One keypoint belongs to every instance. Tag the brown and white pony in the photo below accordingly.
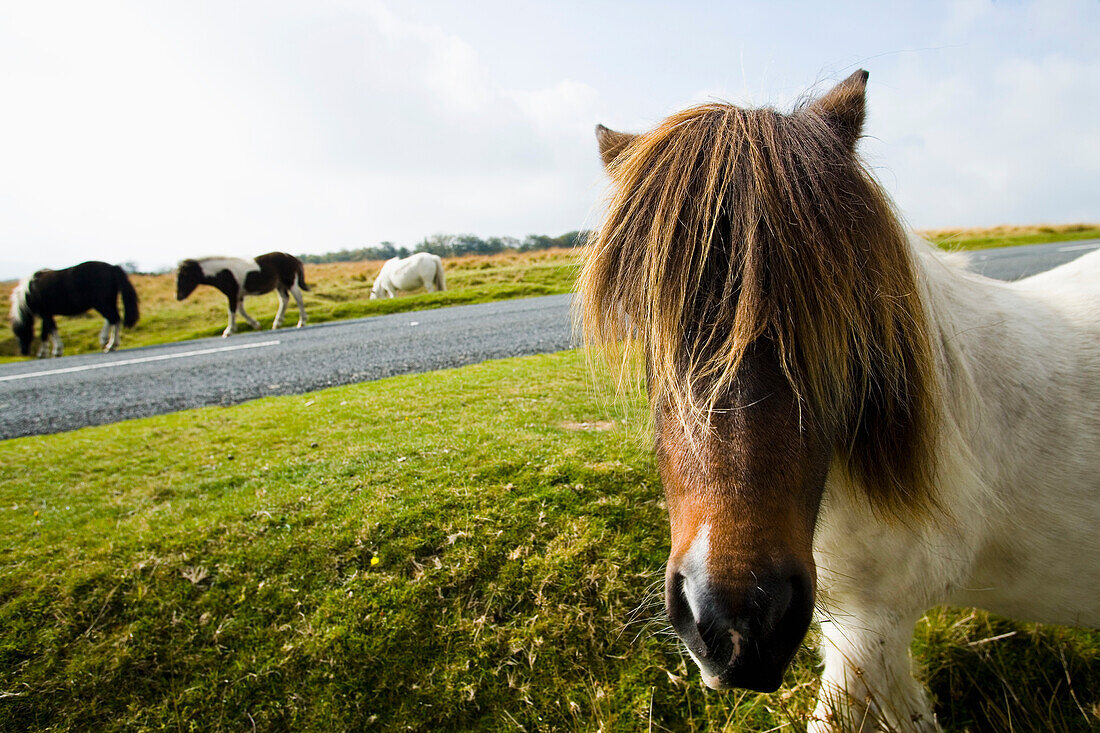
(237, 277)
(843, 417)
(70, 292)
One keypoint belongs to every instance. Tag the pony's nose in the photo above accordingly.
(741, 638)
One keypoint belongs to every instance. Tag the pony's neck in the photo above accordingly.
(981, 334)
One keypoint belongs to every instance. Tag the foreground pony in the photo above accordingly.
(420, 270)
(70, 292)
(236, 278)
(843, 417)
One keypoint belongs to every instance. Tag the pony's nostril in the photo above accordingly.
(776, 602)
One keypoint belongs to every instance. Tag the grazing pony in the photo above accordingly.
(843, 417)
(237, 278)
(70, 292)
(417, 270)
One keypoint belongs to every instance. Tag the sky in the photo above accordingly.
(148, 132)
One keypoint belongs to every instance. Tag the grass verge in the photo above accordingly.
(1010, 236)
(472, 549)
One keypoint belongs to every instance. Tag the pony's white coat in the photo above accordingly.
(696, 578)
(410, 273)
(19, 300)
(693, 566)
(239, 267)
(1018, 461)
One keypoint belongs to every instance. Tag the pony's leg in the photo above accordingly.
(868, 681)
(281, 313)
(44, 337)
(244, 314)
(50, 333)
(103, 332)
(232, 327)
(297, 293)
(113, 342)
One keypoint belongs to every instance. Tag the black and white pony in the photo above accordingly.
(237, 277)
(70, 292)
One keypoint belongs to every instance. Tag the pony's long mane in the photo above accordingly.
(728, 225)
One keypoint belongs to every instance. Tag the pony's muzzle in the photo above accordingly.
(741, 637)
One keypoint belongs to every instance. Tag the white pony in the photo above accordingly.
(845, 419)
(417, 270)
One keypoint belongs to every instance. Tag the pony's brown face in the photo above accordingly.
(760, 271)
(743, 497)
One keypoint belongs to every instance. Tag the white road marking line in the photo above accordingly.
(1074, 247)
(140, 360)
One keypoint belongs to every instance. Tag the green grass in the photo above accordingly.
(972, 239)
(473, 549)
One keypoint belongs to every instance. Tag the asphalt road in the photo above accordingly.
(1013, 263)
(53, 395)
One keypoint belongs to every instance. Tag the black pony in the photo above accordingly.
(70, 292)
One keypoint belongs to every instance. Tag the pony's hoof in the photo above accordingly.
(226, 333)
(301, 324)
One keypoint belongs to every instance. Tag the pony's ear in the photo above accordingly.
(612, 143)
(844, 108)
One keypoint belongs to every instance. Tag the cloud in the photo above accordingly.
(150, 132)
(1012, 143)
(150, 135)
(964, 14)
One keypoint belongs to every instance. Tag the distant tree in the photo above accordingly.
(536, 241)
(503, 243)
(437, 244)
(451, 245)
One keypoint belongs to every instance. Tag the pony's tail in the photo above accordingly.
(440, 281)
(129, 298)
(302, 276)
